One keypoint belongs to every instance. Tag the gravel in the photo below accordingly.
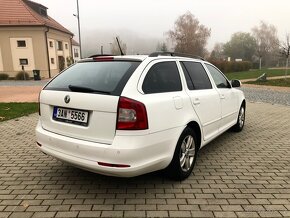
(268, 96)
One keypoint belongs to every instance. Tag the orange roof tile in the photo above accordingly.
(17, 13)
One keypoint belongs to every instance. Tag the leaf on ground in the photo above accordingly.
(6, 108)
(2, 118)
(25, 204)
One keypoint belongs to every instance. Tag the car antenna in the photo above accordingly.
(119, 45)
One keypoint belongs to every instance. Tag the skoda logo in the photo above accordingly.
(67, 99)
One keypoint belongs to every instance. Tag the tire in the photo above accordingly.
(238, 127)
(184, 156)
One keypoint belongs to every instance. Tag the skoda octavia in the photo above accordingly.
(130, 115)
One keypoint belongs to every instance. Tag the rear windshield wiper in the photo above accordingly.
(85, 89)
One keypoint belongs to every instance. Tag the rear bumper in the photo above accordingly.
(143, 154)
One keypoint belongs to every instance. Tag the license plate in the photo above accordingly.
(67, 115)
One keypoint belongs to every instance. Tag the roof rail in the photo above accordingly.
(174, 54)
(100, 55)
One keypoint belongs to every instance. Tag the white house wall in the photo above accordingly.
(22, 53)
(73, 51)
(52, 54)
(66, 51)
(1, 61)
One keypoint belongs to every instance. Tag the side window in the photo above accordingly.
(162, 77)
(218, 78)
(196, 76)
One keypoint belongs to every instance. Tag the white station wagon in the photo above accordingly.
(130, 115)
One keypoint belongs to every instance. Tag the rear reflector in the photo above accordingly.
(103, 58)
(113, 165)
(132, 115)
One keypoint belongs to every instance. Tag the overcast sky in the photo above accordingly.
(151, 19)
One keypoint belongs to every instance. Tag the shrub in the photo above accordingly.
(232, 66)
(20, 75)
(61, 63)
(69, 61)
(3, 76)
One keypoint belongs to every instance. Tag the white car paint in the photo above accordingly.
(144, 151)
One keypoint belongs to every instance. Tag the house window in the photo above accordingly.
(51, 44)
(52, 60)
(23, 61)
(76, 53)
(21, 43)
(66, 46)
(59, 45)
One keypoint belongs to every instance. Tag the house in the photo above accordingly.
(30, 39)
(76, 50)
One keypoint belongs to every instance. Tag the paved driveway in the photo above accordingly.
(244, 174)
(20, 91)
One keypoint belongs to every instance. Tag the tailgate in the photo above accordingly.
(100, 111)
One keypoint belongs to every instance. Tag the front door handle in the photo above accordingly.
(222, 96)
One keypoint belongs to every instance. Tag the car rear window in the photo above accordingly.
(107, 77)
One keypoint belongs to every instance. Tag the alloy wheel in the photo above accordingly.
(241, 117)
(187, 153)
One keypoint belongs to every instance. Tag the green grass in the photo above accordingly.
(273, 82)
(256, 73)
(13, 110)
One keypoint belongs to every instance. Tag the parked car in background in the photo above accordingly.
(130, 115)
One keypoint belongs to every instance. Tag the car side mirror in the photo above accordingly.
(236, 83)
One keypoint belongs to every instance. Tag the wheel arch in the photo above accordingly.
(195, 126)
(244, 103)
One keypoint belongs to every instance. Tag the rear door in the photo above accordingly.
(82, 101)
(163, 95)
(204, 98)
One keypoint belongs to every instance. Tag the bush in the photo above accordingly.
(20, 75)
(232, 66)
(3, 76)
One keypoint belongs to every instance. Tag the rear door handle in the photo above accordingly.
(196, 101)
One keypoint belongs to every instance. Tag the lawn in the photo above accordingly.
(273, 82)
(256, 73)
(13, 110)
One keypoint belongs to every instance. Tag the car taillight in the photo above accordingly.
(132, 115)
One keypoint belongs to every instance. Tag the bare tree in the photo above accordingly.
(189, 36)
(115, 50)
(266, 40)
(285, 51)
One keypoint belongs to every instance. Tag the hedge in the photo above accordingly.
(20, 76)
(3, 76)
(232, 66)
